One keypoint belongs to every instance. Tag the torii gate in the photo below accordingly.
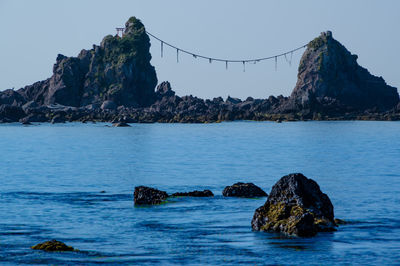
(120, 30)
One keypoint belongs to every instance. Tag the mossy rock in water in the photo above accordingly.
(296, 206)
(53, 245)
(148, 196)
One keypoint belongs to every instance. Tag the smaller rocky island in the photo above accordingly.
(296, 206)
(115, 82)
(243, 190)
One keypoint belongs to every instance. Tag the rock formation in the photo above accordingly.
(295, 206)
(148, 196)
(196, 193)
(115, 82)
(53, 245)
(243, 190)
(118, 71)
(331, 81)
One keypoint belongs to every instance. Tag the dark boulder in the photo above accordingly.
(330, 80)
(196, 193)
(243, 190)
(148, 196)
(53, 245)
(295, 206)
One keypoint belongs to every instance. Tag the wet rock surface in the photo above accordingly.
(149, 196)
(243, 190)
(296, 206)
(53, 245)
(196, 193)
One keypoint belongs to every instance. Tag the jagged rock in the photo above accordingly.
(243, 190)
(118, 70)
(330, 80)
(233, 100)
(196, 193)
(53, 245)
(295, 206)
(149, 196)
(164, 90)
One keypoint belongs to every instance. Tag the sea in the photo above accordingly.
(74, 182)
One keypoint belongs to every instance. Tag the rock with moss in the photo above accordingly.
(296, 206)
(148, 196)
(331, 81)
(243, 190)
(118, 70)
(53, 245)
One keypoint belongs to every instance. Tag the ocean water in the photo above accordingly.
(52, 177)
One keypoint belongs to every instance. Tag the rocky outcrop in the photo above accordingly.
(295, 206)
(117, 71)
(196, 193)
(243, 190)
(148, 196)
(114, 82)
(53, 245)
(331, 81)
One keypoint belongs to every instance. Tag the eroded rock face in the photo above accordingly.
(243, 190)
(330, 80)
(53, 245)
(118, 70)
(148, 196)
(196, 193)
(295, 206)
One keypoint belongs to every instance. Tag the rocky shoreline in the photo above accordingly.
(115, 82)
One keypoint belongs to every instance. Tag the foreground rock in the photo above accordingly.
(295, 206)
(243, 190)
(148, 196)
(196, 193)
(53, 245)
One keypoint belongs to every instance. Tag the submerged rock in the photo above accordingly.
(148, 196)
(196, 193)
(243, 190)
(295, 206)
(53, 245)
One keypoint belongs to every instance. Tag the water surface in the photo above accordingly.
(52, 177)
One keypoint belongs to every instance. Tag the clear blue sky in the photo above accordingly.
(34, 32)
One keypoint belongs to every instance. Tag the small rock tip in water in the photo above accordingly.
(121, 124)
(53, 245)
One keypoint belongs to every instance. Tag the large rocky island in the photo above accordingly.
(115, 82)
